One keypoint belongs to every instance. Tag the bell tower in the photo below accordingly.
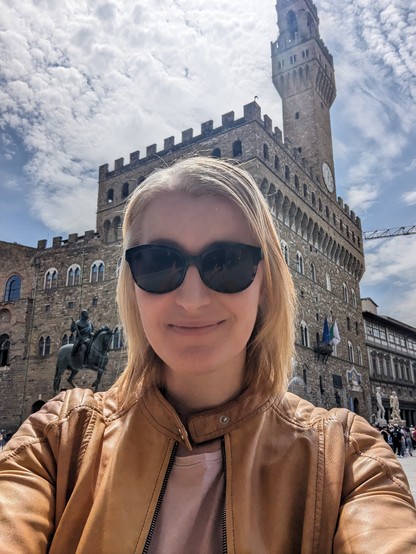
(303, 74)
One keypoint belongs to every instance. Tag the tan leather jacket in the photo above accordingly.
(82, 476)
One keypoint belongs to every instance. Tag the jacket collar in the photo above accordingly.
(207, 425)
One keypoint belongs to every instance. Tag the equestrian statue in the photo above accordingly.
(89, 351)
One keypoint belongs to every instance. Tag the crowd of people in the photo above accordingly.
(401, 439)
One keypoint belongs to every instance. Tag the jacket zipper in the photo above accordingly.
(162, 494)
(159, 501)
(224, 512)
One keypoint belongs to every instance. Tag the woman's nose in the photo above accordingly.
(193, 293)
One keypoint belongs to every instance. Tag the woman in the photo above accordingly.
(197, 448)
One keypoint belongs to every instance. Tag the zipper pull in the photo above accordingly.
(183, 433)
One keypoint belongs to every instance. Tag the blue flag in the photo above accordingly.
(326, 335)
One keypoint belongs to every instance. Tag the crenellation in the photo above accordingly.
(42, 244)
(89, 235)
(151, 150)
(268, 124)
(169, 143)
(56, 242)
(102, 172)
(252, 111)
(340, 202)
(73, 237)
(227, 119)
(118, 164)
(187, 136)
(207, 128)
(134, 157)
(278, 134)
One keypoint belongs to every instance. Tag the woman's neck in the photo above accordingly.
(196, 393)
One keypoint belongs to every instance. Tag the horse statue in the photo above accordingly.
(96, 359)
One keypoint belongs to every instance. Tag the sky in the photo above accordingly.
(85, 82)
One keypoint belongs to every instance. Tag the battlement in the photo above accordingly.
(251, 112)
(349, 213)
(73, 238)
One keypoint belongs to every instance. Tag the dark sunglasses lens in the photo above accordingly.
(157, 269)
(229, 269)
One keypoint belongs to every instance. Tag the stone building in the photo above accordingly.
(321, 238)
(391, 349)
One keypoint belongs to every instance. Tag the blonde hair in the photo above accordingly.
(270, 348)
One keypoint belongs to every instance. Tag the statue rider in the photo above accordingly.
(84, 330)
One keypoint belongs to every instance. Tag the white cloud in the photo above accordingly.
(409, 198)
(363, 197)
(389, 276)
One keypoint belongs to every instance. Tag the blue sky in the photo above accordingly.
(84, 83)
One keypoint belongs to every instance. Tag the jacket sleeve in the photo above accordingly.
(27, 485)
(377, 513)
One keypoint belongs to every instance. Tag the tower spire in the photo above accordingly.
(303, 74)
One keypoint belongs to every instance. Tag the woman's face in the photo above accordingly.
(194, 329)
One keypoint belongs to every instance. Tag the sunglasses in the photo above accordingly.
(226, 267)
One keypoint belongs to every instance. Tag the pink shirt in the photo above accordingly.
(190, 519)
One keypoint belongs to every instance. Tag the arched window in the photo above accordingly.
(117, 227)
(296, 182)
(73, 276)
(344, 293)
(71, 339)
(12, 291)
(64, 340)
(313, 272)
(292, 25)
(359, 356)
(125, 191)
(313, 198)
(305, 190)
(350, 352)
(97, 271)
(348, 324)
(44, 346)
(319, 204)
(353, 298)
(110, 196)
(4, 350)
(305, 374)
(117, 338)
(5, 316)
(237, 148)
(276, 162)
(328, 283)
(216, 153)
(304, 334)
(51, 278)
(299, 263)
(107, 226)
(285, 251)
(287, 173)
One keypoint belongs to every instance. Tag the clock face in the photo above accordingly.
(328, 177)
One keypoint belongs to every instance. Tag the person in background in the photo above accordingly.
(408, 441)
(198, 447)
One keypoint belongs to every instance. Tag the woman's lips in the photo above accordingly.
(195, 328)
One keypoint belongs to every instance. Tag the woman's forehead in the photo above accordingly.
(185, 219)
